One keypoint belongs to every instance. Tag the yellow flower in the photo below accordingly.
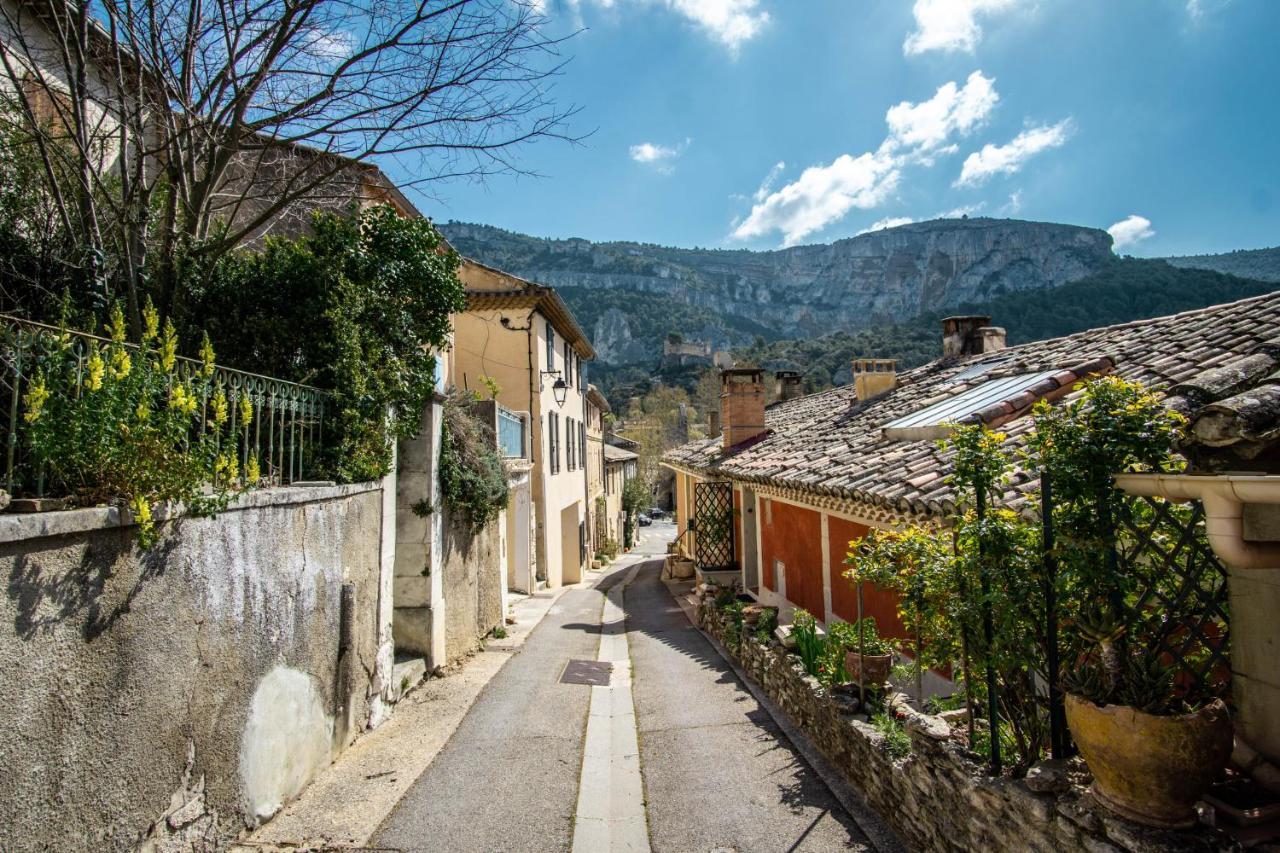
(94, 369)
(226, 468)
(118, 331)
(169, 347)
(143, 518)
(181, 399)
(246, 411)
(220, 407)
(121, 363)
(143, 412)
(150, 321)
(141, 510)
(206, 356)
(252, 471)
(36, 396)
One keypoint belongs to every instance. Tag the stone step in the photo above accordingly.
(406, 674)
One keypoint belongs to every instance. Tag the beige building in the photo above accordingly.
(597, 408)
(619, 466)
(523, 337)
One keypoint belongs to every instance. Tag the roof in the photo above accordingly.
(617, 454)
(830, 444)
(502, 290)
(595, 398)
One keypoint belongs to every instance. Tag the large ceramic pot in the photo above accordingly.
(1151, 769)
(870, 669)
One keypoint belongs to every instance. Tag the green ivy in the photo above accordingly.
(473, 477)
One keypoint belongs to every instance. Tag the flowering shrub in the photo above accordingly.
(116, 423)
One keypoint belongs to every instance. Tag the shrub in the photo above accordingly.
(473, 477)
(896, 739)
(358, 308)
(119, 424)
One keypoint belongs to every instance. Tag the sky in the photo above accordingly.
(767, 123)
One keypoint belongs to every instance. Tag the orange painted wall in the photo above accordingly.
(795, 538)
(880, 603)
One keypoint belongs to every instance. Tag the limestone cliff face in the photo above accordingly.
(885, 276)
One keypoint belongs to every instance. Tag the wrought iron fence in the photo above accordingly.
(286, 434)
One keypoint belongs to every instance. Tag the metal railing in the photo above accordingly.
(285, 435)
(511, 433)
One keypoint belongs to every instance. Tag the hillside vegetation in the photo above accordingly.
(1128, 289)
(1260, 264)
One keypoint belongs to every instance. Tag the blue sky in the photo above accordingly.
(762, 123)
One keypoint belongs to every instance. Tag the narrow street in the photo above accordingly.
(717, 773)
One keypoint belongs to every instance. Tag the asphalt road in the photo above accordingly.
(718, 775)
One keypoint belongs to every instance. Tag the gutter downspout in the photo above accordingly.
(1224, 497)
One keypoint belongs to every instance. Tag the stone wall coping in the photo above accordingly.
(19, 527)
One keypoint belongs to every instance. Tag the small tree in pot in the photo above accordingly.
(1153, 745)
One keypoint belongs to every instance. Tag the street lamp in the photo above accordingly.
(560, 389)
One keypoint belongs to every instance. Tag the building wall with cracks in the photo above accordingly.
(180, 694)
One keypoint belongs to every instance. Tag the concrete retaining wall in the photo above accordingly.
(939, 797)
(473, 584)
(198, 686)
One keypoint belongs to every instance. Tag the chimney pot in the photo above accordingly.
(960, 335)
(741, 404)
(788, 385)
(713, 423)
(874, 376)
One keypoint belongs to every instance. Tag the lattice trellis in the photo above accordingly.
(713, 526)
(1177, 591)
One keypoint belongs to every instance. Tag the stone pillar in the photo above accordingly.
(418, 588)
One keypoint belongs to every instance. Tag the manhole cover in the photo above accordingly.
(593, 672)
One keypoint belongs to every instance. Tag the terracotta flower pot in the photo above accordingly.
(1151, 769)
(873, 669)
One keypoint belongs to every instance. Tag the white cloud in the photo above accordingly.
(658, 156)
(959, 212)
(730, 22)
(823, 194)
(952, 110)
(1198, 10)
(950, 25)
(1130, 230)
(766, 186)
(1008, 159)
(1015, 202)
(887, 222)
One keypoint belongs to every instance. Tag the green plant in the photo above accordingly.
(896, 739)
(766, 623)
(809, 645)
(499, 632)
(358, 307)
(863, 635)
(473, 477)
(491, 385)
(120, 424)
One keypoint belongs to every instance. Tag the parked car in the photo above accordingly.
(645, 520)
(658, 514)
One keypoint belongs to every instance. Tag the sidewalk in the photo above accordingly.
(344, 806)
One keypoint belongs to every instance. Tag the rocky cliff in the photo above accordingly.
(885, 276)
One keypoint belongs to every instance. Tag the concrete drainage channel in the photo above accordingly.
(610, 812)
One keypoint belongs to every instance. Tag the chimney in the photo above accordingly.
(741, 404)
(960, 335)
(991, 339)
(713, 423)
(874, 376)
(788, 385)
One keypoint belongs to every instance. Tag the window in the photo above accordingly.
(568, 363)
(551, 346)
(553, 441)
(571, 461)
(934, 422)
(582, 443)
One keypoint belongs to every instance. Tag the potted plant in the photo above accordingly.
(868, 657)
(1153, 749)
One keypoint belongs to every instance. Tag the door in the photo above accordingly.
(713, 526)
(750, 553)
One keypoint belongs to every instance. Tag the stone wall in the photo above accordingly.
(197, 686)
(473, 584)
(939, 797)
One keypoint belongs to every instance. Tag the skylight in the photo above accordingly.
(935, 421)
